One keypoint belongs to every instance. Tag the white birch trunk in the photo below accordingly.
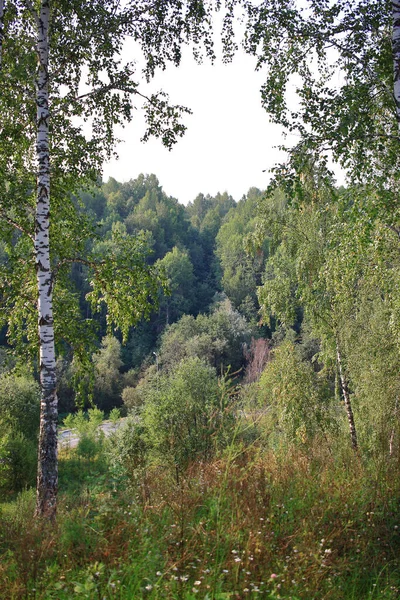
(396, 57)
(346, 397)
(1, 30)
(47, 482)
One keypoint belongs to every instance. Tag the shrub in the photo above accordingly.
(296, 400)
(18, 461)
(20, 403)
(185, 416)
(19, 425)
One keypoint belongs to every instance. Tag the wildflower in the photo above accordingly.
(149, 587)
(273, 576)
(237, 559)
(158, 573)
(197, 582)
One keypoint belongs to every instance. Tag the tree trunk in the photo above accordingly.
(1, 29)
(47, 481)
(396, 57)
(346, 397)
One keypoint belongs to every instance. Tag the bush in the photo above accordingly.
(88, 428)
(19, 425)
(20, 403)
(185, 417)
(18, 461)
(184, 413)
(296, 400)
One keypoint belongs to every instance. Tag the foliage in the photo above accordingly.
(178, 269)
(179, 413)
(19, 418)
(241, 271)
(338, 58)
(295, 399)
(20, 403)
(18, 460)
(373, 365)
(114, 416)
(184, 416)
(108, 380)
(88, 428)
(85, 424)
(229, 526)
(216, 338)
(48, 55)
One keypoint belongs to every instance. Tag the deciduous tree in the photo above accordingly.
(64, 87)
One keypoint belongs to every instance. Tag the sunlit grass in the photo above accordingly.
(251, 523)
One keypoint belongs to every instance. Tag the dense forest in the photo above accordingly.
(199, 400)
(274, 341)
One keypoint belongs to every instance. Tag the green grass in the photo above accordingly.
(251, 523)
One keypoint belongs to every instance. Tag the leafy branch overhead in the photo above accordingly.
(123, 280)
(329, 80)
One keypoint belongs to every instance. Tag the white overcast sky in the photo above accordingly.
(229, 140)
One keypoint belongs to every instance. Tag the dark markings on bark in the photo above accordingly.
(2, 4)
(346, 397)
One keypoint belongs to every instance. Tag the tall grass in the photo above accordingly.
(309, 523)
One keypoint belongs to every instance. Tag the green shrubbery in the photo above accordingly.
(19, 426)
(88, 430)
(296, 401)
(184, 417)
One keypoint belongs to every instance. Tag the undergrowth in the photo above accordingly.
(298, 524)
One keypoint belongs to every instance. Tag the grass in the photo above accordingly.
(296, 524)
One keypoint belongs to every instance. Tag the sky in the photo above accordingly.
(230, 143)
(229, 140)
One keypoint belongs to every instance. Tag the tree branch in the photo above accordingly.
(16, 225)
(33, 12)
(395, 229)
(77, 260)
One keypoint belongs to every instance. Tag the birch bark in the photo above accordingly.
(396, 57)
(1, 29)
(47, 482)
(346, 398)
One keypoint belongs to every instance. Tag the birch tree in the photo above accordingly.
(332, 79)
(396, 57)
(64, 88)
(341, 61)
(308, 276)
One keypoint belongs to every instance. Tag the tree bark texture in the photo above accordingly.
(47, 482)
(396, 57)
(2, 2)
(346, 397)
